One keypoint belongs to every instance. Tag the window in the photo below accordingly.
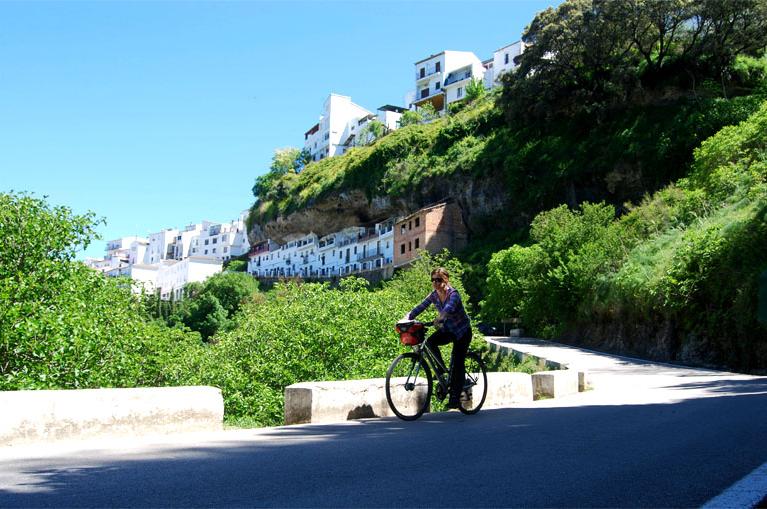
(206, 242)
(403, 230)
(194, 250)
(506, 58)
(402, 248)
(417, 221)
(206, 251)
(437, 67)
(416, 243)
(215, 240)
(355, 249)
(438, 85)
(425, 93)
(423, 72)
(214, 249)
(226, 250)
(460, 92)
(409, 246)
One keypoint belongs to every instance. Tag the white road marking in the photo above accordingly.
(745, 493)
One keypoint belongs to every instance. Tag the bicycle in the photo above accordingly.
(409, 378)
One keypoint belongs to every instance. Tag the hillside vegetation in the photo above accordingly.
(622, 227)
(677, 277)
(65, 326)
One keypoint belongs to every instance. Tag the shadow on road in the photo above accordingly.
(655, 455)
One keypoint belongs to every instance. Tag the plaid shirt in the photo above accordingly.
(456, 319)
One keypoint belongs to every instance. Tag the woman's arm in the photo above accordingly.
(419, 308)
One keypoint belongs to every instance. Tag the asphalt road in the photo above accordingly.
(687, 438)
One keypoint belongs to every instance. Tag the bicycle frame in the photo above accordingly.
(424, 352)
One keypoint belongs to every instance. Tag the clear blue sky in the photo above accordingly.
(160, 114)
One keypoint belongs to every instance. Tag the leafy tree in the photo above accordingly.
(475, 89)
(410, 117)
(284, 161)
(237, 266)
(428, 112)
(64, 325)
(589, 56)
(230, 289)
(206, 315)
(370, 133)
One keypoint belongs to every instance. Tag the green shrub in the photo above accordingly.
(64, 325)
(689, 257)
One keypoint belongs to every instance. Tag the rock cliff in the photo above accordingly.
(479, 199)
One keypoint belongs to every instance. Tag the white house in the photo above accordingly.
(324, 139)
(353, 249)
(389, 115)
(448, 68)
(221, 241)
(168, 259)
(119, 254)
(161, 246)
(455, 83)
(503, 60)
(171, 276)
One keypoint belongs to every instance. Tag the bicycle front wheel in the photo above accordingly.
(408, 386)
(475, 388)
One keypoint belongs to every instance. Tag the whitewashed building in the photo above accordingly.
(342, 125)
(451, 69)
(119, 254)
(441, 79)
(503, 60)
(324, 138)
(169, 277)
(168, 259)
(161, 246)
(221, 241)
(351, 250)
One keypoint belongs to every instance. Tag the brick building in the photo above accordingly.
(432, 228)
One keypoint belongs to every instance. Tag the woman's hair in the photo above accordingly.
(441, 272)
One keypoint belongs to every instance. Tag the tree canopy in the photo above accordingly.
(586, 56)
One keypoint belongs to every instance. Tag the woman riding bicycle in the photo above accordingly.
(453, 327)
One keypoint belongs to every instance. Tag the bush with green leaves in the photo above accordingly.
(207, 307)
(304, 332)
(64, 325)
(684, 265)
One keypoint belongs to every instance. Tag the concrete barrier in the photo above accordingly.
(34, 416)
(326, 402)
(504, 389)
(336, 401)
(555, 384)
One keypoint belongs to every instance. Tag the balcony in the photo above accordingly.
(437, 99)
(367, 234)
(373, 255)
(427, 75)
(459, 75)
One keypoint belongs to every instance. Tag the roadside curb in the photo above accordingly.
(338, 401)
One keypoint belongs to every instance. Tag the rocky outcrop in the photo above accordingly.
(479, 199)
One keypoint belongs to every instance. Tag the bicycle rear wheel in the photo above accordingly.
(475, 388)
(408, 386)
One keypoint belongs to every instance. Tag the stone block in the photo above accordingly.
(554, 384)
(36, 416)
(325, 402)
(584, 381)
(504, 389)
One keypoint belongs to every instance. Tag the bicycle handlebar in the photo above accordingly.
(425, 324)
